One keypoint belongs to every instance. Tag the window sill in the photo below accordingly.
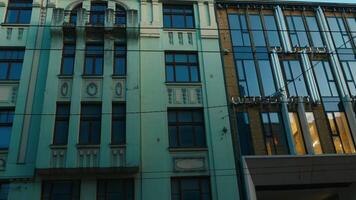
(65, 76)
(15, 25)
(119, 146)
(179, 29)
(119, 76)
(92, 76)
(58, 146)
(4, 150)
(188, 149)
(183, 83)
(88, 146)
(9, 81)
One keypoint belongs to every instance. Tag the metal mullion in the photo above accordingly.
(272, 133)
(307, 31)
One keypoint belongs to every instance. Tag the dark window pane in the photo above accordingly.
(178, 16)
(181, 67)
(58, 190)
(244, 131)
(190, 188)
(118, 124)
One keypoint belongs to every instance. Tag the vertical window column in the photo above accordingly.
(283, 28)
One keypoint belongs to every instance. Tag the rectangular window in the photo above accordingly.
(274, 134)
(253, 66)
(325, 79)
(182, 67)
(272, 31)
(339, 33)
(293, 75)
(297, 31)
(351, 21)
(340, 131)
(60, 190)
(94, 59)
(297, 134)
(4, 191)
(349, 69)
(6, 120)
(62, 124)
(19, 12)
(178, 16)
(187, 188)
(120, 60)
(244, 131)
(120, 15)
(68, 57)
(118, 129)
(186, 128)
(314, 134)
(11, 61)
(97, 13)
(90, 124)
(119, 189)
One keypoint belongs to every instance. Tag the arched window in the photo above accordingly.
(73, 14)
(120, 15)
(97, 12)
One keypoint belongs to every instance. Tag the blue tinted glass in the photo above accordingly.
(170, 73)
(185, 116)
(68, 64)
(182, 73)
(189, 22)
(267, 77)
(11, 16)
(194, 74)
(243, 127)
(173, 139)
(5, 134)
(61, 132)
(15, 71)
(120, 64)
(251, 78)
(88, 65)
(98, 66)
(25, 17)
(314, 32)
(178, 21)
(118, 132)
(167, 21)
(3, 71)
(186, 136)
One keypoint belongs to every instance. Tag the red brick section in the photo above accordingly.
(258, 140)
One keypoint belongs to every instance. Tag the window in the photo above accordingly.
(325, 79)
(293, 75)
(182, 67)
(351, 21)
(178, 16)
(340, 133)
(62, 124)
(97, 13)
(197, 188)
(120, 15)
(274, 135)
(339, 33)
(74, 13)
(94, 59)
(314, 134)
(254, 71)
(186, 128)
(4, 191)
(118, 130)
(68, 57)
(244, 131)
(60, 190)
(304, 31)
(6, 120)
(272, 31)
(119, 189)
(120, 60)
(297, 134)
(90, 124)
(349, 69)
(19, 12)
(11, 63)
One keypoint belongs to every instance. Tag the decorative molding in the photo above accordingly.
(88, 157)
(119, 89)
(189, 164)
(118, 158)
(92, 89)
(8, 94)
(185, 95)
(65, 89)
(58, 158)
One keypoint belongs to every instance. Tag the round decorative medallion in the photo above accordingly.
(92, 89)
(64, 89)
(118, 89)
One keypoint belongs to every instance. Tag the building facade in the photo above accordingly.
(113, 100)
(290, 79)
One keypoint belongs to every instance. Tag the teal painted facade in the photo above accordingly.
(146, 157)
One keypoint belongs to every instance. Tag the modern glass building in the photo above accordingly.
(290, 71)
(113, 100)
